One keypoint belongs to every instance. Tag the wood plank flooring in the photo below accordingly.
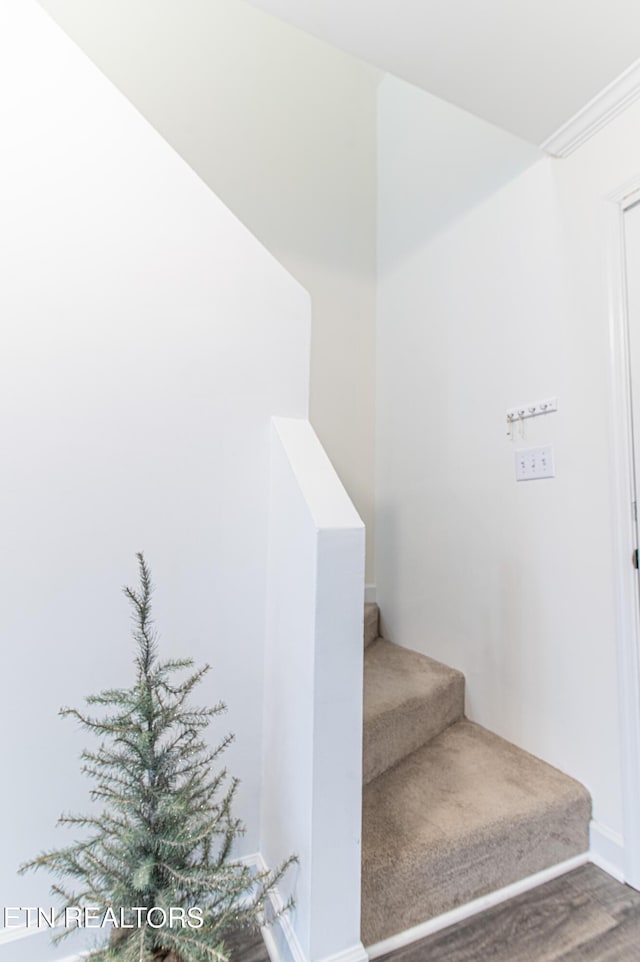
(244, 946)
(585, 916)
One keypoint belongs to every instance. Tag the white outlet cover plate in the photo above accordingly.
(533, 464)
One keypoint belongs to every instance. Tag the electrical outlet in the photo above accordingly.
(535, 463)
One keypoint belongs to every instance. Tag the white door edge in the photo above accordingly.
(627, 607)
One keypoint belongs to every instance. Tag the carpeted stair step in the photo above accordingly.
(408, 699)
(461, 817)
(371, 623)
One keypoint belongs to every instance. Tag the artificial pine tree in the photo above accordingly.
(163, 839)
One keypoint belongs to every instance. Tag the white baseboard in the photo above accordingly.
(13, 934)
(607, 850)
(474, 908)
(282, 944)
(357, 953)
(280, 937)
(278, 953)
(369, 594)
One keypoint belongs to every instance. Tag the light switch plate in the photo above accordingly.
(532, 464)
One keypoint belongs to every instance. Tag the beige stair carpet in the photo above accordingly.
(463, 816)
(408, 699)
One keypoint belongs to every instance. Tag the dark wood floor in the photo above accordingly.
(246, 946)
(585, 916)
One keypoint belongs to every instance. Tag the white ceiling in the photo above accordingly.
(526, 65)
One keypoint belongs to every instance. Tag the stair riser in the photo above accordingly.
(451, 811)
(371, 623)
(446, 880)
(392, 736)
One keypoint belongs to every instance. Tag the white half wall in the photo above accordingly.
(509, 582)
(146, 340)
(282, 127)
(312, 775)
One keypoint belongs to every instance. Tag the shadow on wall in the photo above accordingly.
(462, 158)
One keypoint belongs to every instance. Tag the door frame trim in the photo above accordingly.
(626, 593)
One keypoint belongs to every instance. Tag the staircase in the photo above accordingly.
(450, 811)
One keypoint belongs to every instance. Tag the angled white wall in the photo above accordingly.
(282, 127)
(511, 583)
(147, 338)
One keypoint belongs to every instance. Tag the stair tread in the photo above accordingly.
(465, 815)
(395, 675)
(408, 699)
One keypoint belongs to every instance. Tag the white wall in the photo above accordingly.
(435, 162)
(282, 128)
(146, 340)
(312, 781)
(511, 583)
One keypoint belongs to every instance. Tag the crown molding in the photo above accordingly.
(596, 114)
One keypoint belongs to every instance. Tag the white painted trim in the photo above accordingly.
(474, 908)
(596, 114)
(15, 933)
(369, 594)
(357, 953)
(286, 947)
(607, 850)
(627, 609)
(253, 860)
(270, 944)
